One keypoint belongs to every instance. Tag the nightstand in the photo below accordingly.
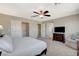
(0, 53)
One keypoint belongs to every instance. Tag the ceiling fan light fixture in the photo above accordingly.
(41, 16)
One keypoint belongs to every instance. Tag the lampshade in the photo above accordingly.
(1, 27)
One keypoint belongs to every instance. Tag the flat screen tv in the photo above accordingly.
(59, 29)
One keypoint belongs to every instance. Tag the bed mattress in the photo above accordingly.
(26, 46)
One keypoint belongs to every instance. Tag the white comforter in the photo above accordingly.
(26, 47)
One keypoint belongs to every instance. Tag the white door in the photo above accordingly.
(16, 28)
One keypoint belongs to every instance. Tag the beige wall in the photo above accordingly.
(71, 24)
(5, 21)
(47, 29)
(12, 26)
(17, 28)
(9, 22)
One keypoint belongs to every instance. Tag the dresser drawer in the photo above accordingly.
(58, 37)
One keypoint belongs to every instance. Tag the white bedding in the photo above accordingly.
(26, 47)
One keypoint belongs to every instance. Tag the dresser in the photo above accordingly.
(59, 37)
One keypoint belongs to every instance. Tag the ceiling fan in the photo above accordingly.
(41, 14)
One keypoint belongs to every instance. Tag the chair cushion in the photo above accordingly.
(71, 43)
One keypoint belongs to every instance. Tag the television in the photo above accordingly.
(59, 29)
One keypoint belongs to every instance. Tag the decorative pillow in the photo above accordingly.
(6, 44)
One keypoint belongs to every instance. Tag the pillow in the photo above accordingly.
(6, 44)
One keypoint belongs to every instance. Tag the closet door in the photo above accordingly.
(25, 29)
(39, 30)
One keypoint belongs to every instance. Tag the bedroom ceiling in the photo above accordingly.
(25, 10)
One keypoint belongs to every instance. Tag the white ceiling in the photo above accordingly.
(25, 10)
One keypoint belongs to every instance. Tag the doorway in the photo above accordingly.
(25, 29)
(39, 30)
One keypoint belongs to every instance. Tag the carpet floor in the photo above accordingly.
(55, 48)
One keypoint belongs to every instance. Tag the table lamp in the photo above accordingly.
(1, 29)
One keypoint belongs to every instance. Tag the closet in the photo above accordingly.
(25, 29)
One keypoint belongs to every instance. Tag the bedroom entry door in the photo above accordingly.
(25, 29)
(39, 30)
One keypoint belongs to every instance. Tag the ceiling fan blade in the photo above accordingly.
(46, 12)
(34, 16)
(47, 15)
(35, 12)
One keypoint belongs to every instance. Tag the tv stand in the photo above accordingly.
(59, 37)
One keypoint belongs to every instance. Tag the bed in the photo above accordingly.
(26, 46)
